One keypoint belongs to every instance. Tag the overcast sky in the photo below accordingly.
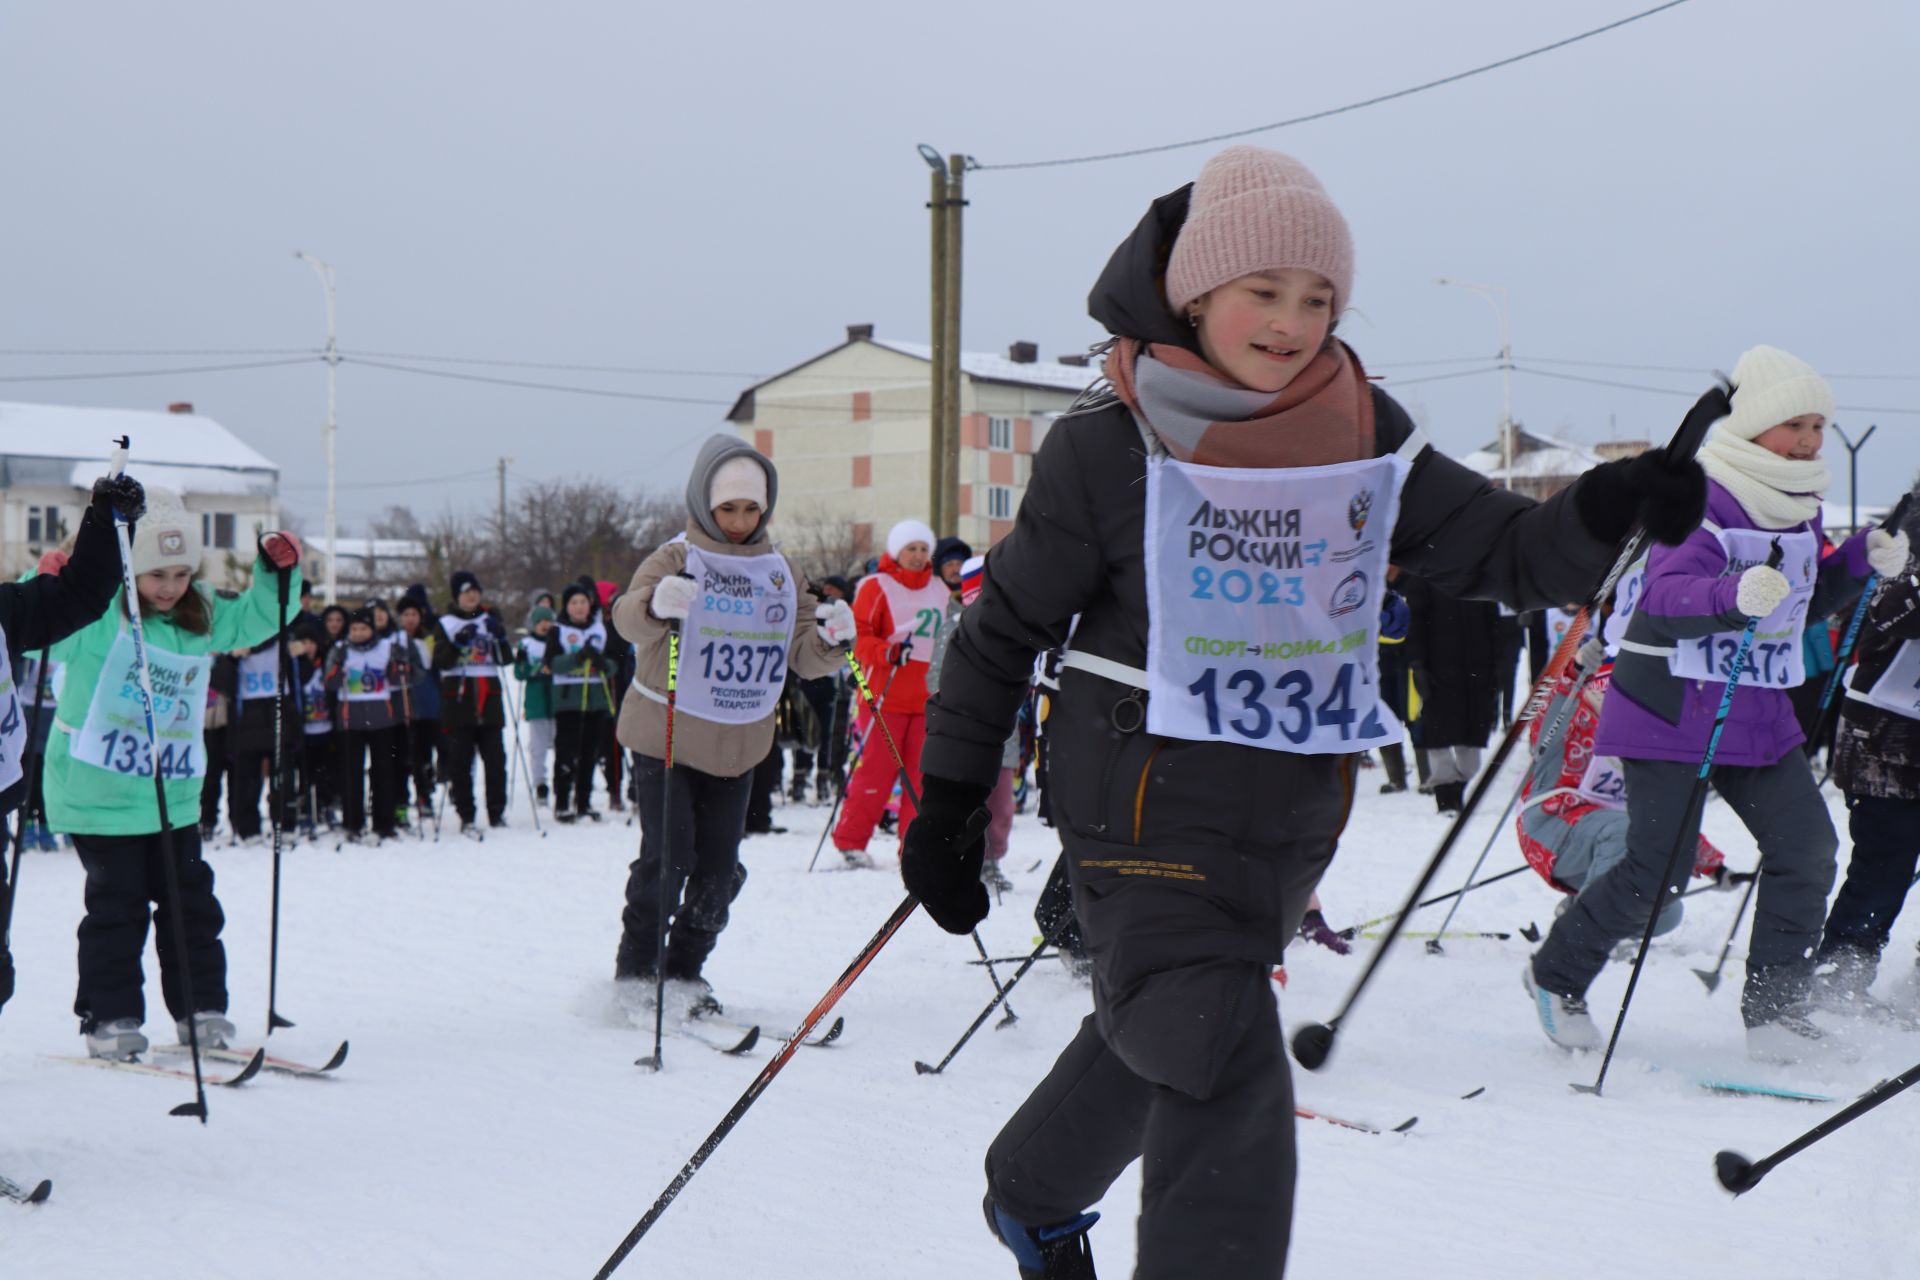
(719, 189)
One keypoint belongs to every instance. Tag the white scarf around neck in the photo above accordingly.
(1777, 492)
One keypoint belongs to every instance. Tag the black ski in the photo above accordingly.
(730, 1038)
(12, 1190)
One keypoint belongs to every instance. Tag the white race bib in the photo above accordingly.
(258, 674)
(13, 723)
(1626, 598)
(316, 708)
(364, 672)
(572, 640)
(1603, 783)
(1263, 603)
(919, 613)
(1898, 688)
(733, 651)
(114, 736)
(1777, 659)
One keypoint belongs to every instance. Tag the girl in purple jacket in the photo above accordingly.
(1766, 481)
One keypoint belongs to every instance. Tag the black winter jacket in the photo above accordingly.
(1455, 644)
(1877, 752)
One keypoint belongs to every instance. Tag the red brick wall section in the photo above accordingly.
(862, 405)
(863, 538)
(863, 470)
(966, 499)
(1023, 435)
(973, 431)
(1000, 468)
(763, 443)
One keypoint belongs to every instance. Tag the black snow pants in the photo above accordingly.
(127, 886)
(1192, 864)
(709, 816)
(458, 746)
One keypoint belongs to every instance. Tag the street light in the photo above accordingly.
(1486, 294)
(332, 357)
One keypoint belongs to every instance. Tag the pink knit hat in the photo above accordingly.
(1254, 210)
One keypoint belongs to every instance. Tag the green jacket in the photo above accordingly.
(534, 676)
(85, 800)
(591, 696)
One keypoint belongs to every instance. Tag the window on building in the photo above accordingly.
(45, 528)
(1000, 434)
(999, 502)
(216, 531)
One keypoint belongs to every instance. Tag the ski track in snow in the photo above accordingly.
(490, 1121)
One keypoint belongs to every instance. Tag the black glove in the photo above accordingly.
(591, 649)
(1667, 498)
(122, 494)
(900, 654)
(941, 855)
(464, 637)
(494, 627)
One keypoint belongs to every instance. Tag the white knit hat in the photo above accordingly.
(1769, 387)
(739, 477)
(167, 535)
(906, 533)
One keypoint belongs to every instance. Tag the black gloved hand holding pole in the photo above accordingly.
(944, 847)
(1666, 498)
(122, 494)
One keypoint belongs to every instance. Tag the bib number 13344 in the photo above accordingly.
(1254, 710)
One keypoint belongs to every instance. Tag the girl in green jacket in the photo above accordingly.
(100, 767)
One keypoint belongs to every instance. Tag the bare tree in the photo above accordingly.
(818, 541)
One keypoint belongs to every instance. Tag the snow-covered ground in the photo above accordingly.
(491, 1121)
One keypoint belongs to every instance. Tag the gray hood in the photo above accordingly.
(716, 450)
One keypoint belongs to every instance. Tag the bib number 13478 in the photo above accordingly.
(1295, 711)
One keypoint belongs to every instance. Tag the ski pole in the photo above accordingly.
(1712, 978)
(1313, 1042)
(853, 763)
(994, 978)
(1000, 995)
(1688, 832)
(1739, 1174)
(658, 1060)
(526, 770)
(1354, 930)
(1433, 944)
(36, 775)
(144, 683)
(276, 799)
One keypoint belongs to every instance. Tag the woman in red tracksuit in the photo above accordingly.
(900, 609)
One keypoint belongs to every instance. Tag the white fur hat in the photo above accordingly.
(1769, 387)
(905, 534)
(167, 535)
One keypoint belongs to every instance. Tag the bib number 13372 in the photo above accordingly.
(1254, 709)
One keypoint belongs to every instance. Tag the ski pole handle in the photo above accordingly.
(117, 460)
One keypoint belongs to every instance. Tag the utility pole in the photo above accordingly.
(1486, 294)
(503, 498)
(956, 203)
(936, 380)
(1853, 473)
(332, 357)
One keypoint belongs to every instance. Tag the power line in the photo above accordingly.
(1441, 377)
(159, 351)
(1703, 369)
(1675, 391)
(558, 368)
(531, 386)
(1335, 111)
(152, 373)
(486, 473)
(1424, 364)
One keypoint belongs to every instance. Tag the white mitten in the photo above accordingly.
(672, 598)
(1762, 588)
(1887, 552)
(834, 621)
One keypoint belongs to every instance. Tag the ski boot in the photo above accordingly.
(994, 878)
(119, 1040)
(1058, 1252)
(1563, 1018)
(797, 792)
(215, 1031)
(540, 793)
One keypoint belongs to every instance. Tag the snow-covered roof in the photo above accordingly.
(378, 548)
(1535, 457)
(194, 480)
(178, 439)
(989, 368)
(1835, 514)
